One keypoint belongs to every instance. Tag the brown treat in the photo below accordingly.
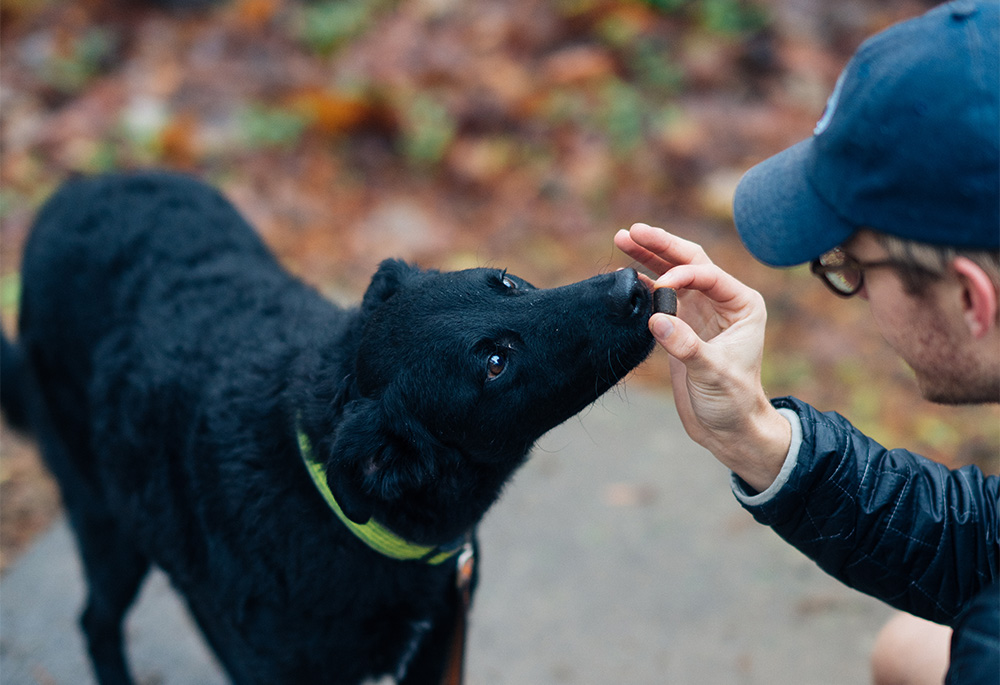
(665, 301)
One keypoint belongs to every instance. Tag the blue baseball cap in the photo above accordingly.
(908, 146)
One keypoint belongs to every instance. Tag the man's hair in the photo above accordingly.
(927, 263)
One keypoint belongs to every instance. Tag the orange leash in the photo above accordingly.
(454, 673)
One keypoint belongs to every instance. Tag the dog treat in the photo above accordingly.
(665, 301)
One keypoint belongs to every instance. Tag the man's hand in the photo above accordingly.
(715, 344)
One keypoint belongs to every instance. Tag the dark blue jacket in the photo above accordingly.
(897, 526)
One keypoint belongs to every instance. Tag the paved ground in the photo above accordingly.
(617, 556)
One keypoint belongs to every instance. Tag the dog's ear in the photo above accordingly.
(391, 275)
(351, 453)
(375, 461)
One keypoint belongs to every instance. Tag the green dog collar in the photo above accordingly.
(373, 533)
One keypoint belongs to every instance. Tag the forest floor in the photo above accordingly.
(513, 133)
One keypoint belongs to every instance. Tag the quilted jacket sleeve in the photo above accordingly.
(889, 523)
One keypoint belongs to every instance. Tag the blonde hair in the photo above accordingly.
(924, 263)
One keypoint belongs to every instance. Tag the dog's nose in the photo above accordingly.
(628, 297)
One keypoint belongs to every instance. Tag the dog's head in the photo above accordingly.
(461, 372)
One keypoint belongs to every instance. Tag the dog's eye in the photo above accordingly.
(495, 365)
(508, 283)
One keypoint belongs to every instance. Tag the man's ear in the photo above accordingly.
(979, 297)
(391, 275)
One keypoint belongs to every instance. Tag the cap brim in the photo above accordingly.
(781, 220)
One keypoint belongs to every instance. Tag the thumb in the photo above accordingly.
(676, 337)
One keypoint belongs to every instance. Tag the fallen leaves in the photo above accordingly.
(513, 133)
(332, 113)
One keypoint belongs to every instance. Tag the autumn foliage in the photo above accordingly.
(514, 133)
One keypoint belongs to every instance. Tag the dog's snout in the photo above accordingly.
(628, 297)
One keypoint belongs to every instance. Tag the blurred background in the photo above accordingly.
(456, 133)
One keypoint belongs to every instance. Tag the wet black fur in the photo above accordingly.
(163, 360)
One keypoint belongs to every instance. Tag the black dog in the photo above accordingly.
(305, 475)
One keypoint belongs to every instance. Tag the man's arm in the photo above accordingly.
(890, 523)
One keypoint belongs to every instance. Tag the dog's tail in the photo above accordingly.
(14, 383)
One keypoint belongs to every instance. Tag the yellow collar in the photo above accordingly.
(373, 533)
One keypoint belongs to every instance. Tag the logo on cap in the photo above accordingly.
(831, 105)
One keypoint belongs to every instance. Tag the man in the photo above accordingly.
(895, 199)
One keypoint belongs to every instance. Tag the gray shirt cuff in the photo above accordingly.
(752, 499)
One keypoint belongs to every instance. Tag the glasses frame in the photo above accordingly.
(848, 263)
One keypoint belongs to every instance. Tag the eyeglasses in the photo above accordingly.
(845, 275)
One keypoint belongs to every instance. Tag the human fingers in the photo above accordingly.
(650, 247)
(668, 247)
(678, 339)
(716, 284)
(646, 281)
(624, 242)
(662, 327)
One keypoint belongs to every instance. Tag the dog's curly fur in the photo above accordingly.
(164, 361)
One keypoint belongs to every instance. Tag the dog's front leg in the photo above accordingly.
(114, 571)
(425, 664)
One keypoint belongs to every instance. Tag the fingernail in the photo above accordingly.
(661, 326)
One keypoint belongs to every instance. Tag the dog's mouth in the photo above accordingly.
(620, 340)
(609, 364)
